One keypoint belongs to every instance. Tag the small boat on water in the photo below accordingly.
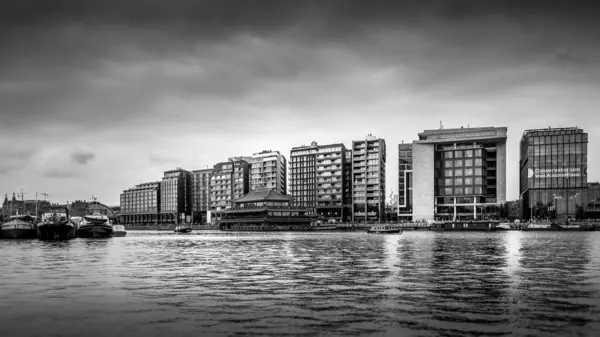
(183, 228)
(20, 227)
(56, 224)
(573, 226)
(539, 227)
(119, 231)
(384, 229)
(95, 225)
(503, 226)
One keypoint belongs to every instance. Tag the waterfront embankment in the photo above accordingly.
(167, 227)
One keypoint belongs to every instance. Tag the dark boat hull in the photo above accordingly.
(19, 233)
(95, 231)
(389, 231)
(64, 231)
(183, 230)
(119, 234)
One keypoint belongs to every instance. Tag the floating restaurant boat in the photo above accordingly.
(119, 231)
(183, 228)
(265, 210)
(96, 222)
(384, 229)
(469, 225)
(20, 227)
(56, 224)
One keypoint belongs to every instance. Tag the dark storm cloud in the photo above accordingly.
(82, 156)
(105, 63)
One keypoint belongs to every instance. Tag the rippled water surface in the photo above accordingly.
(226, 284)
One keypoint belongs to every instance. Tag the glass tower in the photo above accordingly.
(553, 173)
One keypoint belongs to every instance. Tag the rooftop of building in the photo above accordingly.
(462, 134)
(263, 194)
(315, 145)
(550, 131)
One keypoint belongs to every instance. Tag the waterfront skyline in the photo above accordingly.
(99, 97)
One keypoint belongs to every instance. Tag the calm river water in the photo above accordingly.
(226, 284)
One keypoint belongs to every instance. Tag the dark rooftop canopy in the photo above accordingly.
(264, 195)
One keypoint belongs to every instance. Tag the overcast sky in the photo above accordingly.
(97, 96)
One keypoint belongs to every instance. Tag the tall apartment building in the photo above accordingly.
(140, 204)
(303, 176)
(176, 196)
(459, 174)
(405, 188)
(553, 173)
(347, 185)
(269, 170)
(368, 179)
(229, 181)
(201, 194)
(317, 182)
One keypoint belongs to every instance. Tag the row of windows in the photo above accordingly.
(463, 163)
(461, 181)
(466, 172)
(463, 153)
(573, 138)
(461, 190)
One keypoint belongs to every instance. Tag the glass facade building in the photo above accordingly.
(553, 173)
(405, 190)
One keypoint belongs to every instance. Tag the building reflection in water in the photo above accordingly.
(556, 293)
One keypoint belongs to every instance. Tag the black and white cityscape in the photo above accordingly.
(299, 168)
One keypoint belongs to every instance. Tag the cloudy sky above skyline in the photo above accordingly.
(97, 96)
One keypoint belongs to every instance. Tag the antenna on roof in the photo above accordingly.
(441, 126)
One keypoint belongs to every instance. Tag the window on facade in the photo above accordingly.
(458, 181)
(448, 173)
(448, 163)
(448, 182)
(478, 162)
(458, 154)
(478, 171)
(448, 155)
(478, 153)
(458, 190)
(448, 191)
(468, 181)
(468, 190)
(468, 162)
(458, 163)
(468, 153)
(458, 173)
(469, 172)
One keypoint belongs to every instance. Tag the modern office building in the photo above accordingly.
(269, 170)
(201, 194)
(405, 188)
(317, 181)
(459, 174)
(176, 196)
(303, 176)
(553, 173)
(140, 205)
(229, 181)
(368, 179)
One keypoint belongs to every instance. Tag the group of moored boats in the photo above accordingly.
(56, 224)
